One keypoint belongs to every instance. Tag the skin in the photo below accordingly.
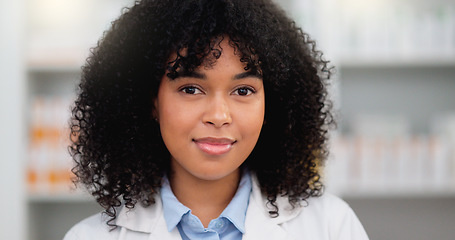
(210, 122)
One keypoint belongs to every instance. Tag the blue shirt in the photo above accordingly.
(230, 225)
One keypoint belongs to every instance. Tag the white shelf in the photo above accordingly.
(50, 68)
(398, 62)
(60, 59)
(397, 194)
(60, 197)
(381, 193)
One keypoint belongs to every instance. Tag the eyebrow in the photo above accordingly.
(192, 74)
(202, 76)
(248, 74)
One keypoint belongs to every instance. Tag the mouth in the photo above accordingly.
(214, 146)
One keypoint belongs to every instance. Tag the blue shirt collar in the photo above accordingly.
(172, 208)
(235, 212)
(236, 209)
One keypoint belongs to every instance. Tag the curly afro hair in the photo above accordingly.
(116, 144)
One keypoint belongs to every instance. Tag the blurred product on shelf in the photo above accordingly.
(59, 33)
(377, 159)
(49, 164)
(383, 30)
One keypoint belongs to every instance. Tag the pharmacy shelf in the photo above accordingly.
(398, 62)
(343, 62)
(49, 68)
(60, 197)
(54, 72)
(394, 193)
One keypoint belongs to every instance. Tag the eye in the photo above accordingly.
(244, 91)
(191, 90)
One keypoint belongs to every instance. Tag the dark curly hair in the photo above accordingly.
(117, 146)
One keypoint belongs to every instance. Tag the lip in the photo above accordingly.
(214, 146)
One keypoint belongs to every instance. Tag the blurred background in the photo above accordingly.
(393, 154)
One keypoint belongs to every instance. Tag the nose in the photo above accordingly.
(217, 112)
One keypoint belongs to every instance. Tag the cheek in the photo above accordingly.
(173, 128)
(168, 118)
(252, 119)
(176, 119)
(177, 112)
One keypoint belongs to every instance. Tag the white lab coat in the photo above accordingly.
(323, 218)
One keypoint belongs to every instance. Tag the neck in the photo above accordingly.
(206, 198)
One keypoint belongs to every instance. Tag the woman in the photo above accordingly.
(206, 119)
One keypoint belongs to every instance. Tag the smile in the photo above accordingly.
(214, 146)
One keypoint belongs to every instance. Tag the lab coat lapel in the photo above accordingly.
(259, 224)
(160, 231)
(147, 220)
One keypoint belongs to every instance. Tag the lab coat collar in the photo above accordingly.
(140, 218)
(146, 220)
(258, 223)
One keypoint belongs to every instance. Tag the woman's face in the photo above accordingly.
(210, 120)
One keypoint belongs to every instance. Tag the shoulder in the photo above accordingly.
(94, 227)
(325, 218)
(324, 206)
(328, 217)
(325, 209)
(327, 204)
(135, 223)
